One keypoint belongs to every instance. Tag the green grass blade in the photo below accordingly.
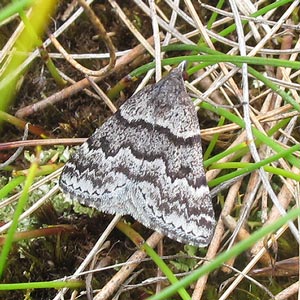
(14, 8)
(72, 284)
(4, 191)
(166, 270)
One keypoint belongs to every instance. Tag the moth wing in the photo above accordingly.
(146, 161)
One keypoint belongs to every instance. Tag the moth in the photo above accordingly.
(146, 161)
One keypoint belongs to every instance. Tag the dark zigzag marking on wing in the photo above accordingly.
(176, 140)
(150, 155)
(183, 172)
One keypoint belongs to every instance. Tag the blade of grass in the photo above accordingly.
(14, 8)
(213, 58)
(246, 165)
(214, 15)
(165, 269)
(223, 154)
(213, 141)
(72, 284)
(4, 191)
(39, 17)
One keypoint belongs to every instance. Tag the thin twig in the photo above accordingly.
(18, 151)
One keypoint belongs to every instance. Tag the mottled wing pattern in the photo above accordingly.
(146, 161)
